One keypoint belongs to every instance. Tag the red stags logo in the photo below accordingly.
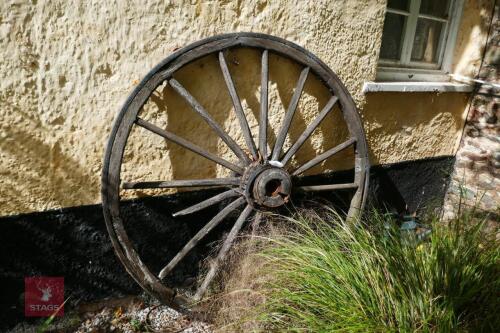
(43, 296)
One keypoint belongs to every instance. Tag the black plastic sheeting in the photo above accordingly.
(73, 242)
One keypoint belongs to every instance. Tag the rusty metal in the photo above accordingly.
(272, 188)
(261, 182)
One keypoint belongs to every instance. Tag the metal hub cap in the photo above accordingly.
(272, 187)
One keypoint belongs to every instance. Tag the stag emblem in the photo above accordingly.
(46, 292)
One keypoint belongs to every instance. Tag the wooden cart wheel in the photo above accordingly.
(261, 177)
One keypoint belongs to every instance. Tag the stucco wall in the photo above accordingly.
(67, 68)
(408, 126)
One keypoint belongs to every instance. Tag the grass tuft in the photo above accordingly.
(325, 275)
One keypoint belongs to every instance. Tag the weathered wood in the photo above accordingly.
(238, 109)
(214, 266)
(232, 181)
(188, 145)
(328, 187)
(308, 131)
(207, 203)
(280, 139)
(256, 222)
(264, 103)
(320, 158)
(164, 71)
(110, 190)
(209, 120)
(200, 235)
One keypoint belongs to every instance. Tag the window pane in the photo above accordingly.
(392, 36)
(434, 7)
(426, 43)
(398, 4)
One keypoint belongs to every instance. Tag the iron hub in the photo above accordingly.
(266, 186)
(272, 188)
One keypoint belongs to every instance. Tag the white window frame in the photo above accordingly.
(406, 70)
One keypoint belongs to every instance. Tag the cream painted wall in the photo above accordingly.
(67, 68)
(408, 126)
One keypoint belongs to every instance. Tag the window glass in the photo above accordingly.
(434, 7)
(392, 36)
(398, 4)
(426, 43)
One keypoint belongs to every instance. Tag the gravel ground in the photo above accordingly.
(127, 315)
(151, 318)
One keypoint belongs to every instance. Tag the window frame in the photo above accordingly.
(407, 70)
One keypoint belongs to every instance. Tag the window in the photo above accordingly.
(418, 39)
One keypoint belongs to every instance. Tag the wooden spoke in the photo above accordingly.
(308, 131)
(223, 252)
(207, 203)
(257, 220)
(200, 235)
(237, 106)
(264, 104)
(329, 187)
(232, 181)
(320, 158)
(209, 120)
(188, 145)
(280, 140)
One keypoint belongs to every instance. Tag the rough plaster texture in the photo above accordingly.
(408, 126)
(67, 68)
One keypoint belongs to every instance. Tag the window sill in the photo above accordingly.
(435, 87)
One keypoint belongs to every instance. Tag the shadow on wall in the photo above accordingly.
(474, 26)
(399, 127)
(60, 180)
(204, 80)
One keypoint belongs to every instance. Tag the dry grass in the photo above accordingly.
(305, 274)
(240, 287)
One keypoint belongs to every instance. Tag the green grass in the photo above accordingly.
(325, 275)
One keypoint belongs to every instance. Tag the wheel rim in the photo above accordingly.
(262, 180)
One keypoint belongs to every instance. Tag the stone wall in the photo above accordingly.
(476, 177)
